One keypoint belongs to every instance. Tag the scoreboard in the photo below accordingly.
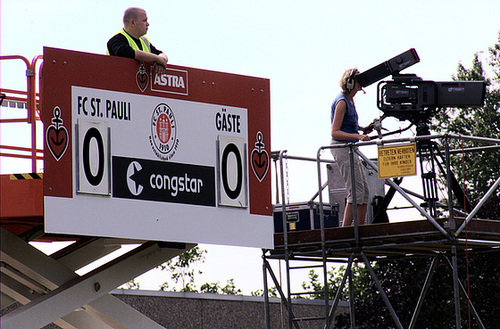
(181, 155)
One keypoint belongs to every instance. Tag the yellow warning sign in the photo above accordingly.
(397, 161)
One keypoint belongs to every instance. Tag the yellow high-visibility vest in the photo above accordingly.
(146, 45)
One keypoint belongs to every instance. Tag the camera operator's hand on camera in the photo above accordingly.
(364, 138)
(368, 129)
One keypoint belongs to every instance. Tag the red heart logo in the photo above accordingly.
(260, 163)
(142, 78)
(57, 141)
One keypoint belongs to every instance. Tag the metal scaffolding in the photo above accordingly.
(440, 238)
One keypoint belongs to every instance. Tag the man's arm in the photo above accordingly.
(143, 56)
(118, 46)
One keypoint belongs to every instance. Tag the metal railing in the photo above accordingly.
(30, 100)
(355, 148)
(450, 232)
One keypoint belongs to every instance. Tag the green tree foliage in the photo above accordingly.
(181, 271)
(215, 288)
(132, 284)
(477, 170)
(272, 292)
(403, 280)
(361, 283)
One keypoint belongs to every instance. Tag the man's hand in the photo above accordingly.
(161, 63)
(160, 60)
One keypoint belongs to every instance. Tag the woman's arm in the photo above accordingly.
(338, 118)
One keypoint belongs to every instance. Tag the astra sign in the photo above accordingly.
(179, 156)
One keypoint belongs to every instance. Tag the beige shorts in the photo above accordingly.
(341, 156)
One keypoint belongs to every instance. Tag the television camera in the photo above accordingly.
(408, 97)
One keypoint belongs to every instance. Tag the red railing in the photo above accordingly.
(31, 98)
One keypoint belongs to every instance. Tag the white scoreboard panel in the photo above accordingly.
(179, 156)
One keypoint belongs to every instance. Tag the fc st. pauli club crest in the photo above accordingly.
(163, 138)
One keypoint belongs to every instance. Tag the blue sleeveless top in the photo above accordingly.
(350, 122)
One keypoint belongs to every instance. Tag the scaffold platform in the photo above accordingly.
(455, 230)
(417, 238)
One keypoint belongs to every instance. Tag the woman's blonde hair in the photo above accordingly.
(347, 80)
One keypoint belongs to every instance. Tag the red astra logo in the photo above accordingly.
(171, 81)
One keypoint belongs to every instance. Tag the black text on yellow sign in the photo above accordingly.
(397, 161)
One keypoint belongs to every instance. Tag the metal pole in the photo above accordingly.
(423, 293)
(266, 292)
(475, 138)
(352, 316)
(285, 240)
(338, 295)
(277, 183)
(318, 193)
(31, 102)
(353, 193)
(410, 200)
(453, 226)
(478, 206)
(476, 315)
(456, 292)
(382, 292)
(280, 291)
(294, 157)
(323, 245)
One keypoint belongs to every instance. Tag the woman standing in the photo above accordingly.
(345, 129)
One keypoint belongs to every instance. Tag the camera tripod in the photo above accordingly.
(430, 153)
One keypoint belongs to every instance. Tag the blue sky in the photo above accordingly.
(301, 46)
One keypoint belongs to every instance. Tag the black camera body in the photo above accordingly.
(390, 67)
(408, 97)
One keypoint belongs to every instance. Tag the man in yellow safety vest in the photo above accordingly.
(131, 42)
